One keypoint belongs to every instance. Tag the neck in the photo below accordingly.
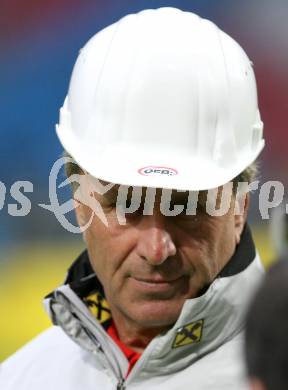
(133, 335)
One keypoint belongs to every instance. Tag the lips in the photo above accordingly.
(156, 280)
(156, 287)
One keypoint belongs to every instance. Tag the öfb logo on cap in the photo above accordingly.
(153, 170)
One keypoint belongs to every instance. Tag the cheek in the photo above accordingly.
(108, 247)
(198, 240)
(99, 242)
(226, 242)
(209, 247)
(198, 250)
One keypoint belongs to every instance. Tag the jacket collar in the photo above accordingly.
(204, 324)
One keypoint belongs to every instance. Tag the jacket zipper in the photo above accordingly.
(78, 314)
(121, 385)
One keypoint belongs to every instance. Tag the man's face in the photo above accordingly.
(152, 264)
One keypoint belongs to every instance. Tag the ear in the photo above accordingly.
(240, 214)
(83, 214)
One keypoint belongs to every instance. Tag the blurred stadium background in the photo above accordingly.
(39, 44)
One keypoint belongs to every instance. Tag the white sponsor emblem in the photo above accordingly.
(155, 170)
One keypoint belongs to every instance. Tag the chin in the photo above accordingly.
(156, 314)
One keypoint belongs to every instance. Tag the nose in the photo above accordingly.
(155, 243)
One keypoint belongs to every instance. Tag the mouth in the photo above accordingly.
(156, 284)
(156, 280)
